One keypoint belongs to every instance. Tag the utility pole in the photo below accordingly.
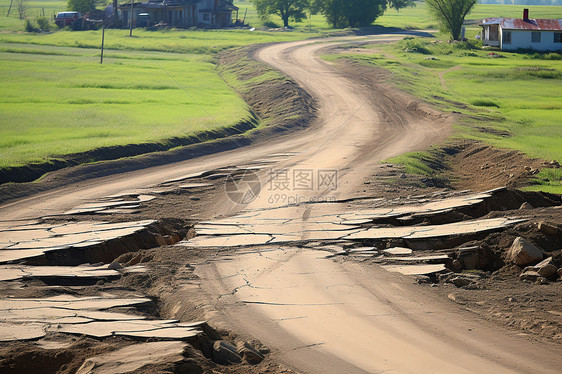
(102, 40)
(131, 21)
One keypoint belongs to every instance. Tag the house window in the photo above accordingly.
(558, 37)
(536, 37)
(506, 37)
(205, 16)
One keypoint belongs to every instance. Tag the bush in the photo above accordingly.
(30, 27)
(271, 25)
(43, 23)
(415, 46)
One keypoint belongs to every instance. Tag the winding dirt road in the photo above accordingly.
(321, 316)
(329, 317)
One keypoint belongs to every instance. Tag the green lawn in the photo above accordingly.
(65, 101)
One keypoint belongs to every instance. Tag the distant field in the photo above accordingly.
(58, 100)
(520, 94)
(418, 17)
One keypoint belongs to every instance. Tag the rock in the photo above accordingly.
(225, 353)
(115, 265)
(457, 266)
(456, 298)
(249, 353)
(160, 240)
(525, 205)
(542, 280)
(523, 252)
(461, 281)
(194, 198)
(421, 279)
(545, 268)
(560, 272)
(402, 176)
(529, 276)
(548, 228)
(445, 277)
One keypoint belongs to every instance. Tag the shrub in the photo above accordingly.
(30, 27)
(415, 46)
(43, 23)
(271, 25)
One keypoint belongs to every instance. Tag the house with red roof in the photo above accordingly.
(522, 33)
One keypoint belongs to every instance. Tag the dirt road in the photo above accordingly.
(318, 315)
(327, 317)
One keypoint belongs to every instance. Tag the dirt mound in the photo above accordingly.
(279, 102)
(478, 166)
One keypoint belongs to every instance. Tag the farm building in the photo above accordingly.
(522, 33)
(178, 13)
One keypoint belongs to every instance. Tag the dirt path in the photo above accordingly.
(442, 75)
(326, 317)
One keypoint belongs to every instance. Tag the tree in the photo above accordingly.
(450, 14)
(22, 8)
(351, 13)
(82, 6)
(286, 9)
(399, 4)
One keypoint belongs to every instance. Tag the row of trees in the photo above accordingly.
(449, 14)
(339, 13)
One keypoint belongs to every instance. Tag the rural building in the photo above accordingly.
(522, 33)
(178, 13)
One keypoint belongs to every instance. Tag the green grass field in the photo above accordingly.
(57, 99)
(519, 94)
(65, 101)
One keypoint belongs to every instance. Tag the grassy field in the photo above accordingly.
(519, 94)
(57, 99)
(63, 101)
(418, 17)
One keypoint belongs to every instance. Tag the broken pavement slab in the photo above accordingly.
(40, 238)
(397, 251)
(435, 231)
(25, 319)
(415, 269)
(135, 357)
(16, 272)
(28, 331)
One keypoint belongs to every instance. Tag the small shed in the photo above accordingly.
(522, 33)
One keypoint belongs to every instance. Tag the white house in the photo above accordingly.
(522, 33)
(178, 13)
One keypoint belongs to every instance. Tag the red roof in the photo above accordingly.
(521, 24)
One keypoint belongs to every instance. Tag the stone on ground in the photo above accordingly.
(249, 353)
(545, 268)
(523, 252)
(225, 353)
